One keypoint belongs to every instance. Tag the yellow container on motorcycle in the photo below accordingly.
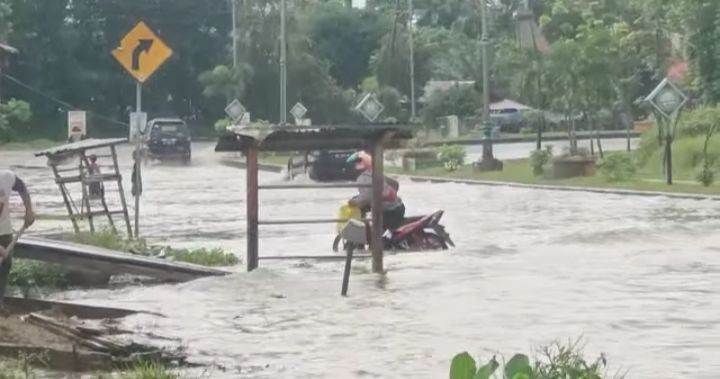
(347, 212)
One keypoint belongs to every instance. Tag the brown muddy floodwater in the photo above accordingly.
(638, 278)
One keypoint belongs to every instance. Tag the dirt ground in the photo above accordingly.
(14, 331)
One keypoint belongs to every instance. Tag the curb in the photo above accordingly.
(672, 195)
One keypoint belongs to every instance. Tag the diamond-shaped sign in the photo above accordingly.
(370, 107)
(298, 111)
(667, 98)
(235, 110)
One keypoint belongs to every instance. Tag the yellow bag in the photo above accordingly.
(347, 212)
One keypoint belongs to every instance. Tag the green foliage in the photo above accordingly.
(226, 83)
(390, 99)
(221, 125)
(705, 176)
(459, 101)
(108, 239)
(149, 370)
(540, 158)
(28, 275)
(452, 156)
(345, 38)
(205, 257)
(618, 167)
(558, 362)
(14, 117)
(698, 121)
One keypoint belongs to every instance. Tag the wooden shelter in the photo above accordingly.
(70, 163)
(372, 138)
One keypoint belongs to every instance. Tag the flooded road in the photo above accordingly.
(638, 278)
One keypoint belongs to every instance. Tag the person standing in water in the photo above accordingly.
(9, 183)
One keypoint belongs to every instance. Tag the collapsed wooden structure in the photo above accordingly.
(70, 164)
(372, 138)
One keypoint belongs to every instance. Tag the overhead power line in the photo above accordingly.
(58, 101)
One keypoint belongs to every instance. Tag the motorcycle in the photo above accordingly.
(417, 233)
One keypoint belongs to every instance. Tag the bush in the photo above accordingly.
(618, 167)
(558, 362)
(705, 176)
(452, 156)
(699, 121)
(540, 158)
(28, 275)
(458, 101)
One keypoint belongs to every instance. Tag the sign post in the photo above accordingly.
(668, 101)
(141, 53)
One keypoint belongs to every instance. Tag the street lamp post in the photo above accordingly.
(488, 163)
(412, 60)
(283, 65)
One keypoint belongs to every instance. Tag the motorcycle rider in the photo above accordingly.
(393, 207)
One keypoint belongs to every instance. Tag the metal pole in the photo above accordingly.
(138, 175)
(346, 273)
(378, 183)
(487, 142)
(411, 42)
(234, 32)
(668, 160)
(252, 207)
(283, 66)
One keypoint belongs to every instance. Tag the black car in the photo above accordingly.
(323, 165)
(168, 138)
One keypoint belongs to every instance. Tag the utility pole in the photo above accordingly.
(283, 65)
(234, 32)
(412, 59)
(487, 154)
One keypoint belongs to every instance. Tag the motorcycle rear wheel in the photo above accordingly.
(432, 241)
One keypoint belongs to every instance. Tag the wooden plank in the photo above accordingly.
(87, 312)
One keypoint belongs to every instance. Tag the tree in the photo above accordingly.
(345, 38)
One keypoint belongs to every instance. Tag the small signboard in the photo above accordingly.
(235, 110)
(138, 120)
(298, 111)
(370, 107)
(77, 125)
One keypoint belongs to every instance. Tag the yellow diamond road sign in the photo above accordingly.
(141, 52)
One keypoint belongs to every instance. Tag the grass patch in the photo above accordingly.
(148, 370)
(108, 239)
(27, 274)
(648, 178)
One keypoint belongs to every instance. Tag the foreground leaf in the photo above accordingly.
(463, 367)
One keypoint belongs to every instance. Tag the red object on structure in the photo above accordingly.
(676, 72)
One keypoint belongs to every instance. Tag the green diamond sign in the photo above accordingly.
(667, 98)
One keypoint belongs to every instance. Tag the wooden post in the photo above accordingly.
(66, 198)
(378, 184)
(113, 151)
(86, 196)
(252, 207)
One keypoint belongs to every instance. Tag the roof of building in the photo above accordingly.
(86, 144)
(312, 138)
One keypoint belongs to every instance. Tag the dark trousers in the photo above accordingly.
(5, 266)
(393, 218)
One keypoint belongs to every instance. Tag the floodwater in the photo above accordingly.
(637, 278)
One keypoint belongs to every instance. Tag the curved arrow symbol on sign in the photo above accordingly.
(143, 46)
